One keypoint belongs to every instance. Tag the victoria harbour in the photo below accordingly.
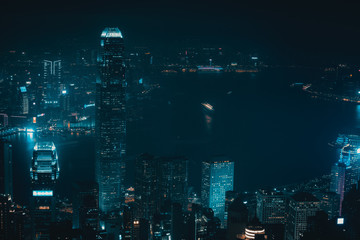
(291, 144)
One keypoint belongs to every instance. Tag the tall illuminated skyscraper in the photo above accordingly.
(52, 81)
(110, 120)
(44, 173)
(217, 178)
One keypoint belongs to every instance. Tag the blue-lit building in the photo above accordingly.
(110, 120)
(217, 178)
(52, 81)
(337, 184)
(44, 173)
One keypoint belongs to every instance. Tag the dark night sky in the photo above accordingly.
(300, 29)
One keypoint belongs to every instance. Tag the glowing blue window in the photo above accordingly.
(23, 89)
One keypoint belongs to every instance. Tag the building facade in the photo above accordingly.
(44, 174)
(157, 180)
(6, 168)
(271, 206)
(217, 178)
(110, 120)
(301, 206)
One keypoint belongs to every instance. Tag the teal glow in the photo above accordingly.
(111, 33)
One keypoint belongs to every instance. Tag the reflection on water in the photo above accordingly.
(208, 111)
(209, 121)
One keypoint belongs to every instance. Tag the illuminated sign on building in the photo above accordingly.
(340, 221)
(43, 193)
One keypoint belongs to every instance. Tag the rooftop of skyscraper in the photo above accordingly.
(268, 191)
(304, 197)
(111, 33)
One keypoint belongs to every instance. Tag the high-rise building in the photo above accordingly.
(349, 149)
(44, 173)
(271, 206)
(12, 219)
(86, 206)
(6, 206)
(174, 179)
(329, 203)
(230, 197)
(52, 81)
(159, 179)
(110, 120)
(337, 184)
(217, 178)
(24, 101)
(301, 206)
(6, 178)
(238, 216)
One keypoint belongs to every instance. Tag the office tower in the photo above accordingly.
(24, 100)
(6, 206)
(329, 203)
(86, 206)
(349, 149)
(6, 168)
(337, 184)
(301, 206)
(271, 206)
(12, 218)
(351, 212)
(110, 120)
(230, 197)
(238, 216)
(44, 173)
(140, 229)
(217, 178)
(147, 192)
(157, 180)
(52, 81)
(174, 179)
(177, 222)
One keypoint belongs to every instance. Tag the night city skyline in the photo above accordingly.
(179, 120)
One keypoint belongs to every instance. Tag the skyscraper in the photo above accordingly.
(6, 205)
(110, 120)
(159, 179)
(86, 206)
(271, 206)
(217, 178)
(6, 179)
(337, 184)
(44, 173)
(52, 81)
(301, 206)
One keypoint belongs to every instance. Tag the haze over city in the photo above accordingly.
(179, 120)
